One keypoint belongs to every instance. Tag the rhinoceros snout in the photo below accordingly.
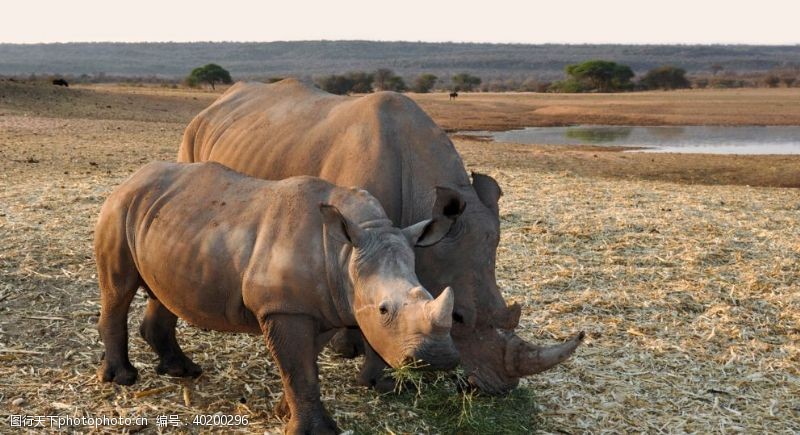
(436, 355)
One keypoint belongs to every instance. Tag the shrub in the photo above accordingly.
(601, 75)
(772, 81)
(567, 86)
(424, 83)
(362, 82)
(387, 80)
(665, 77)
(353, 82)
(465, 82)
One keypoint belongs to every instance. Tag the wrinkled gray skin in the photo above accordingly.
(385, 143)
(295, 260)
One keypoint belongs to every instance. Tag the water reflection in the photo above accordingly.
(598, 135)
(684, 139)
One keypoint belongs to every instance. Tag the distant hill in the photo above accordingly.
(314, 58)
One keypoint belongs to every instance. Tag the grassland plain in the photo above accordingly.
(688, 291)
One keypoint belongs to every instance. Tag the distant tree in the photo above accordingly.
(362, 82)
(397, 84)
(715, 68)
(210, 73)
(424, 83)
(382, 78)
(465, 82)
(772, 81)
(601, 75)
(386, 80)
(335, 84)
(353, 82)
(665, 77)
(788, 80)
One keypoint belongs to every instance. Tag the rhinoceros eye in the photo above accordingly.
(384, 308)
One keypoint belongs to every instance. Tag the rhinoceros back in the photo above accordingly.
(382, 142)
(203, 229)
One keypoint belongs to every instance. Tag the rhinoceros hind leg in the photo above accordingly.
(348, 343)
(119, 280)
(158, 330)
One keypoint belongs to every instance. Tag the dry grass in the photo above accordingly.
(493, 111)
(689, 293)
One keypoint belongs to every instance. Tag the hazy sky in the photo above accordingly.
(571, 21)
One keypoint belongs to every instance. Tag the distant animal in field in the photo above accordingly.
(61, 82)
(294, 260)
(453, 95)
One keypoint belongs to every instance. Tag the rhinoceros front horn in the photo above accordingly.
(523, 358)
(440, 310)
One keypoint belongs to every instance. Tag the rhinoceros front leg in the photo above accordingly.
(292, 341)
(373, 372)
(158, 330)
(349, 343)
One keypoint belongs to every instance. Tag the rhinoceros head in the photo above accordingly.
(491, 354)
(398, 317)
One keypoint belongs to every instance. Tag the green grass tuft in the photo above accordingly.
(442, 402)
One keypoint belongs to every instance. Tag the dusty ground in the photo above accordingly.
(689, 293)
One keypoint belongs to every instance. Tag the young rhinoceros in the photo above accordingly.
(292, 259)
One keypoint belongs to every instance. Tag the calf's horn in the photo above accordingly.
(440, 310)
(523, 358)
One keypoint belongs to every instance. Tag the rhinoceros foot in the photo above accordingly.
(122, 374)
(179, 366)
(320, 424)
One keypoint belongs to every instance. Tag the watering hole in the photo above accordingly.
(668, 139)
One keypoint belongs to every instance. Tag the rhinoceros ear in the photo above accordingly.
(449, 204)
(428, 232)
(447, 207)
(488, 191)
(339, 227)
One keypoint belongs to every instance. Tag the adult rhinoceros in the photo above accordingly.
(386, 144)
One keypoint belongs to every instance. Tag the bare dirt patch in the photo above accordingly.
(612, 162)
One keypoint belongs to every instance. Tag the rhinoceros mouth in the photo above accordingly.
(495, 360)
(438, 354)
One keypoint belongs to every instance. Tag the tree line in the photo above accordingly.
(588, 76)
(384, 79)
(494, 63)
